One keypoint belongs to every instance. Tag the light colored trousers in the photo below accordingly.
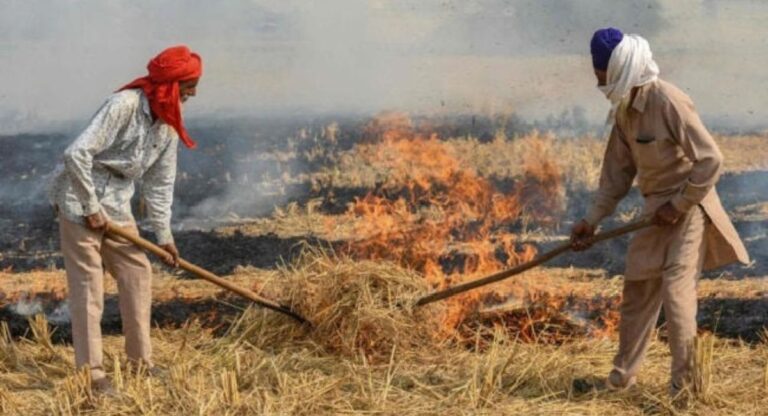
(683, 247)
(87, 254)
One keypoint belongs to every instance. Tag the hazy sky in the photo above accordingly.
(60, 59)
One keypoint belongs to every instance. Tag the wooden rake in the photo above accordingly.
(543, 258)
(205, 274)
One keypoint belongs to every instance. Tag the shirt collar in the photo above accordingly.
(641, 98)
(145, 105)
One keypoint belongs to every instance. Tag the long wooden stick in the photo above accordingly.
(205, 274)
(545, 257)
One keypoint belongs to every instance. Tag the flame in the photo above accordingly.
(545, 318)
(439, 217)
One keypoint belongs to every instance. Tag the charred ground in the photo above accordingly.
(255, 193)
(340, 215)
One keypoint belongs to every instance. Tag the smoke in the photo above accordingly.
(27, 307)
(535, 27)
(251, 188)
(59, 315)
(29, 190)
(296, 57)
(245, 168)
(272, 58)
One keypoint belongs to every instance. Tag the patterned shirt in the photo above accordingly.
(121, 145)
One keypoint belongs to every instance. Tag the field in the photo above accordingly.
(349, 224)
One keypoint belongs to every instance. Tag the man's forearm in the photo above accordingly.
(701, 182)
(78, 163)
(602, 206)
(164, 235)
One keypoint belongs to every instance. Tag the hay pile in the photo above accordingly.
(365, 355)
(236, 376)
(357, 308)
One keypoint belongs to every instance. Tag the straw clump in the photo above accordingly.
(359, 308)
(365, 355)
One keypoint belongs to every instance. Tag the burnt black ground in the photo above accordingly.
(731, 318)
(30, 239)
(230, 154)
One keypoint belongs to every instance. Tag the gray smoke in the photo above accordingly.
(250, 189)
(27, 307)
(293, 56)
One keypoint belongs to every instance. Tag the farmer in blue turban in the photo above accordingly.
(657, 138)
(603, 43)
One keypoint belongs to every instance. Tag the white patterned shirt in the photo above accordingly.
(120, 146)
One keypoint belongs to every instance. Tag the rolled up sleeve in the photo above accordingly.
(699, 147)
(616, 177)
(157, 191)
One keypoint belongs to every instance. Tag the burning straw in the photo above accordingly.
(369, 352)
(434, 214)
(358, 308)
(364, 355)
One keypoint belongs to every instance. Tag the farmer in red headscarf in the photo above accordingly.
(132, 138)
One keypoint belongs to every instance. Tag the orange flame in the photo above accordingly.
(439, 217)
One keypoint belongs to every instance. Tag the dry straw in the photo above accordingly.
(357, 308)
(701, 365)
(365, 356)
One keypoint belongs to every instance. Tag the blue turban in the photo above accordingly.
(603, 43)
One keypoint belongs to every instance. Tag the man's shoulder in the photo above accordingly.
(667, 93)
(127, 99)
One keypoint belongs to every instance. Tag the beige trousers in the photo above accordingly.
(87, 254)
(675, 290)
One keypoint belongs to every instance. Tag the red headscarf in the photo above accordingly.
(161, 86)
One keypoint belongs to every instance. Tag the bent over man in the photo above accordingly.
(133, 137)
(657, 138)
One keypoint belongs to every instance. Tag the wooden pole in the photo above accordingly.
(543, 258)
(205, 274)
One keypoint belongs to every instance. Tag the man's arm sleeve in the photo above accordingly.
(157, 190)
(616, 177)
(700, 148)
(99, 135)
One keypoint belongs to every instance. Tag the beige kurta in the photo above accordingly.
(660, 141)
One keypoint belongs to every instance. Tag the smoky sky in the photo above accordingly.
(498, 27)
(60, 59)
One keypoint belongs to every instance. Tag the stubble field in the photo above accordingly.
(352, 227)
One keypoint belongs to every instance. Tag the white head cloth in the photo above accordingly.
(631, 65)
